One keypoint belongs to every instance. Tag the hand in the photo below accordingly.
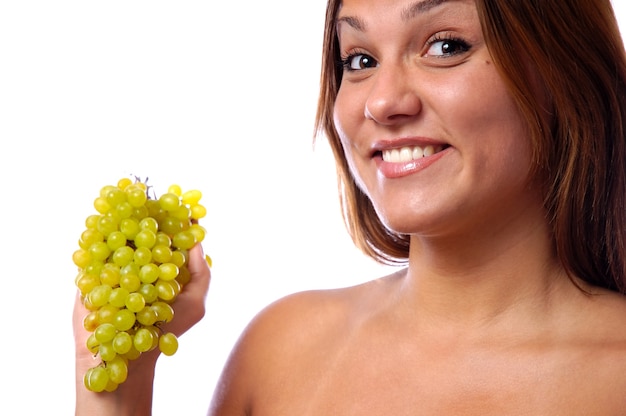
(135, 395)
(189, 307)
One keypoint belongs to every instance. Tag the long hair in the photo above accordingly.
(575, 50)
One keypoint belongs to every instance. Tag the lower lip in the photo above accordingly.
(398, 170)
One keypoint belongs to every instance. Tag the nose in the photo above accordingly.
(393, 97)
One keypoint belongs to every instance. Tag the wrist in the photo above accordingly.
(132, 397)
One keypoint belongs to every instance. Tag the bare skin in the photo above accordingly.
(134, 396)
(365, 351)
(483, 320)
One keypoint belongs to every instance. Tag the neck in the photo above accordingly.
(486, 278)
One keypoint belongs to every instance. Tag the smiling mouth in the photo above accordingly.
(409, 153)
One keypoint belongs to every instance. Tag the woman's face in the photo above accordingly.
(429, 129)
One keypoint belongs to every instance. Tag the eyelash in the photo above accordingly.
(449, 39)
(346, 59)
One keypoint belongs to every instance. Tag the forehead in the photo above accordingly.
(381, 16)
(409, 8)
(356, 12)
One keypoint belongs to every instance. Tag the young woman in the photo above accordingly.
(482, 143)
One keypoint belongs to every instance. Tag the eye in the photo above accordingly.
(447, 47)
(358, 61)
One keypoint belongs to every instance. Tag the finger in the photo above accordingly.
(199, 269)
(189, 307)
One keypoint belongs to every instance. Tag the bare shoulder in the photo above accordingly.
(601, 323)
(288, 338)
(605, 312)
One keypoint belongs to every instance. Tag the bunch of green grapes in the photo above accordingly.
(132, 260)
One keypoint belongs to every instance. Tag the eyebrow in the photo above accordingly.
(408, 13)
(420, 7)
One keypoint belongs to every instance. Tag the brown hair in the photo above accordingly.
(576, 50)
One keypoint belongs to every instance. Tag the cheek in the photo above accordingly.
(346, 126)
(343, 115)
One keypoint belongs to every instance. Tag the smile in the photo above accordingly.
(409, 153)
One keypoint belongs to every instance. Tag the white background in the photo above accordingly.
(216, 96)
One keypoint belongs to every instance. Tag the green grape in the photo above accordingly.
(145, 238)
(133, 353)
(192, 197)
(143, 340)
(91, 221)
(136, 195)
(115, 196)
(118, 297)
(163, 239)
(142, 256)
(86, 282)
(167, 289)
(99, 295)
(171, 225)
(92, 343)
(175, 189)
(156, 333)
(164, 311)
(147, 316)
(149, 223)
(106, 313)
(117, 369)
(122, 342)
(111, 386)
(124, 320)
(149, 273)
(106, 351)
(89, 237)
(168, 271)
(116, 239)
(182, 214)
(155, 211)
(82, 258)
(105, 190)
(184, 240)
(135, 302)
(105, 332)
(198, 231)
(90, 322)
(149, 292)
(168, 343)
(183, 276)
(179, 258)
(123, 256)
(107, 224)
(132, 260)
(129, 227)
(96, 379)
(124, 183)
(95, 267)
(161, 253)
(141, 212)
(169, 201)
(130, 268)
(130, 282)
(101, 205)
(110, 275)
(124, 210)
(197, 212)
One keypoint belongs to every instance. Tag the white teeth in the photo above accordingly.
(408, 153)
(405, 153)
